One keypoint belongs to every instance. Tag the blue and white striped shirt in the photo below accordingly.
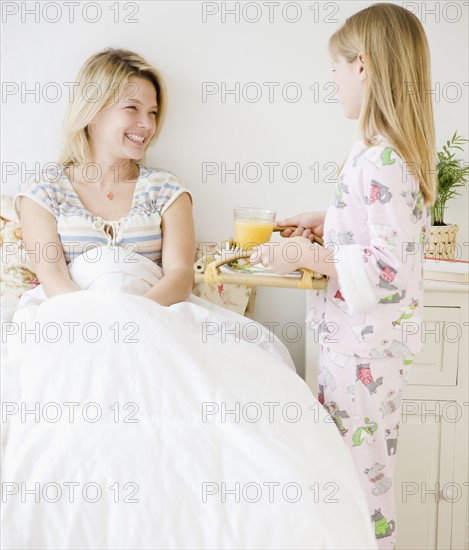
(80, 230)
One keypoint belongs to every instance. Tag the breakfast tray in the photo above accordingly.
(231, 267)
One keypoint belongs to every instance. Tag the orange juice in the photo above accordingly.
(250, 233)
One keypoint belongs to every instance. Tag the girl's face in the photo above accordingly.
(350, 79)
(122, 129)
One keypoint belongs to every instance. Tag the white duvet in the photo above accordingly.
(154, 427)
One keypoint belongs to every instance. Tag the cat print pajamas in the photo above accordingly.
(369, 319)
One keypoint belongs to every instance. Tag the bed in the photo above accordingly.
(126, 424)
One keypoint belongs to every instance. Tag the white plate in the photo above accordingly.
(257, 269)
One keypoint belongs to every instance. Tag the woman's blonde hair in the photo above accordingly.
(103, 78)
(397, 84)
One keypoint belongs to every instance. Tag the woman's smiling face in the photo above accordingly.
(123, 128)
(350, 79)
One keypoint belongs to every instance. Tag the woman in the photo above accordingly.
(142, 432)
(100, 194)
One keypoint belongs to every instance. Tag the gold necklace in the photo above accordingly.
(109, 194)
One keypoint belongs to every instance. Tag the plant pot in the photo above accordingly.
(441, 244)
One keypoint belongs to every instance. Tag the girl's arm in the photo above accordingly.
(44, 248)
(287, 256)
(297, 252)
(178, 254)
(307, 223)
(389, 267)
(319, 259)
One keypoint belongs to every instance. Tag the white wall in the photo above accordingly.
(173, 36)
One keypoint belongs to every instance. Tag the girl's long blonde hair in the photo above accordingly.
(103, 78)
(397, 101)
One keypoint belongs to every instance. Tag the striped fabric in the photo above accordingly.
(79, 230)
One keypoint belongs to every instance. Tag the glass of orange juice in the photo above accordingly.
(253, 226)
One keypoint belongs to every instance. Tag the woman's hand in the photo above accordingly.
(282, 257)
(178, 254)
(307, 223)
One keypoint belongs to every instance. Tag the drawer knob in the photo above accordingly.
(448, 493)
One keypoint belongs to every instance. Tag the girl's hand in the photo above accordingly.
(307, 223)
(281, 257)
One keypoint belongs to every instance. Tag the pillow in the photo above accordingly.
(16, 273)
(237, 298)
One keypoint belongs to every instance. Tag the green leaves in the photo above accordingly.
(451, 173)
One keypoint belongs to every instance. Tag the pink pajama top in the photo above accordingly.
(375, 228)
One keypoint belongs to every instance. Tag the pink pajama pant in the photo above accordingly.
(363, 397)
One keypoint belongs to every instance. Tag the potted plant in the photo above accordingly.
(451, 175)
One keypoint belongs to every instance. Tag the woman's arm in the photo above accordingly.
(44, 248)
(178, 254)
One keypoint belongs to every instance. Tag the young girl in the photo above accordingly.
(374, 233)
(99, 193)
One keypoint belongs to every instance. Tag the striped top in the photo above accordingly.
(80, 230)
